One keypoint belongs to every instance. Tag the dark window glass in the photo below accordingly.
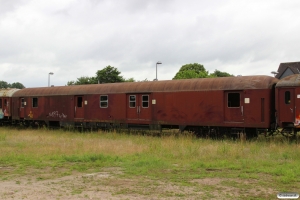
(132, 101)
(79, 102)
(103, 101)
(0, 103)
(34, 102)
(233, 100)
(145, 101)
(287, 97)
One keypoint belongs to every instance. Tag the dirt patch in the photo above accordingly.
(234, 187)
(111, 184)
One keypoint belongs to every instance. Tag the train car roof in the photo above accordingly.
(289, 81)
(7, 92)
(199, 84)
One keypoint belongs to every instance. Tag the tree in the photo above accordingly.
(109, 75)
(83, 81)
(194, 70)
(129, 80)
(17, 85)
(4, 84)
(218, 73)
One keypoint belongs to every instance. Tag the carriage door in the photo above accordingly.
(6, 107)
(1, 111)
(22, 104)
(234, 107)
(138, 108)
(287, 105)
(79, 109)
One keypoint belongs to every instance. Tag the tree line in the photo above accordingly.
(111, 74)
(4, 84)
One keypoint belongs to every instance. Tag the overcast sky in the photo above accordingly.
(75, 38)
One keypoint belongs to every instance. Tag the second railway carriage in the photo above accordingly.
(288, 103)
(206, 105)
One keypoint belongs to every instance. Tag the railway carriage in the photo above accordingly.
(227, 105)
(6, 104)
(288, 103)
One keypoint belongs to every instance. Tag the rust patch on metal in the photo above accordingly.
(199, 84)
(289, 81)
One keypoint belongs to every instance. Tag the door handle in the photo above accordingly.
(138, 109)
(242, 110)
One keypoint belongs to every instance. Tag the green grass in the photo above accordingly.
(267, 163)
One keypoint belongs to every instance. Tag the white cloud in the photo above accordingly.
(76, 38)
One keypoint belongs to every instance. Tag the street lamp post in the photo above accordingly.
(158, 63)
(51, 73)
(275, 73)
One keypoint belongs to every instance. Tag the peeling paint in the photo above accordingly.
(30, 115)
(1, 114)
(297, 121)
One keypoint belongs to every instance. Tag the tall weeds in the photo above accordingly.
(184, 155)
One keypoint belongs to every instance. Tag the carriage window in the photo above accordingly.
(287, 97)
(5, 102)
(0, 103)
(79, 102)
(103, 101)
(22, 103)
(145, 101)
(132, 101)
(34, 102)
(233, 100)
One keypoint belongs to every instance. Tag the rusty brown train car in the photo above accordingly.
(288, 103)
(207, 106)
(6, 105)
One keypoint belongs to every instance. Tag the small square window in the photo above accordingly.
(132, 101)
(233, 100)
(103, 101)
(34, 102)
(145, 101)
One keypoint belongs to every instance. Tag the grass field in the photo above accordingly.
(146, 167)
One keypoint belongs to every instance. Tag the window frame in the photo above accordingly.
(35, 102)
(79, 102)
(143, 101)
(103, 102)
(287, 97)
(232, 100)
(22, 102)
(130, 101)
